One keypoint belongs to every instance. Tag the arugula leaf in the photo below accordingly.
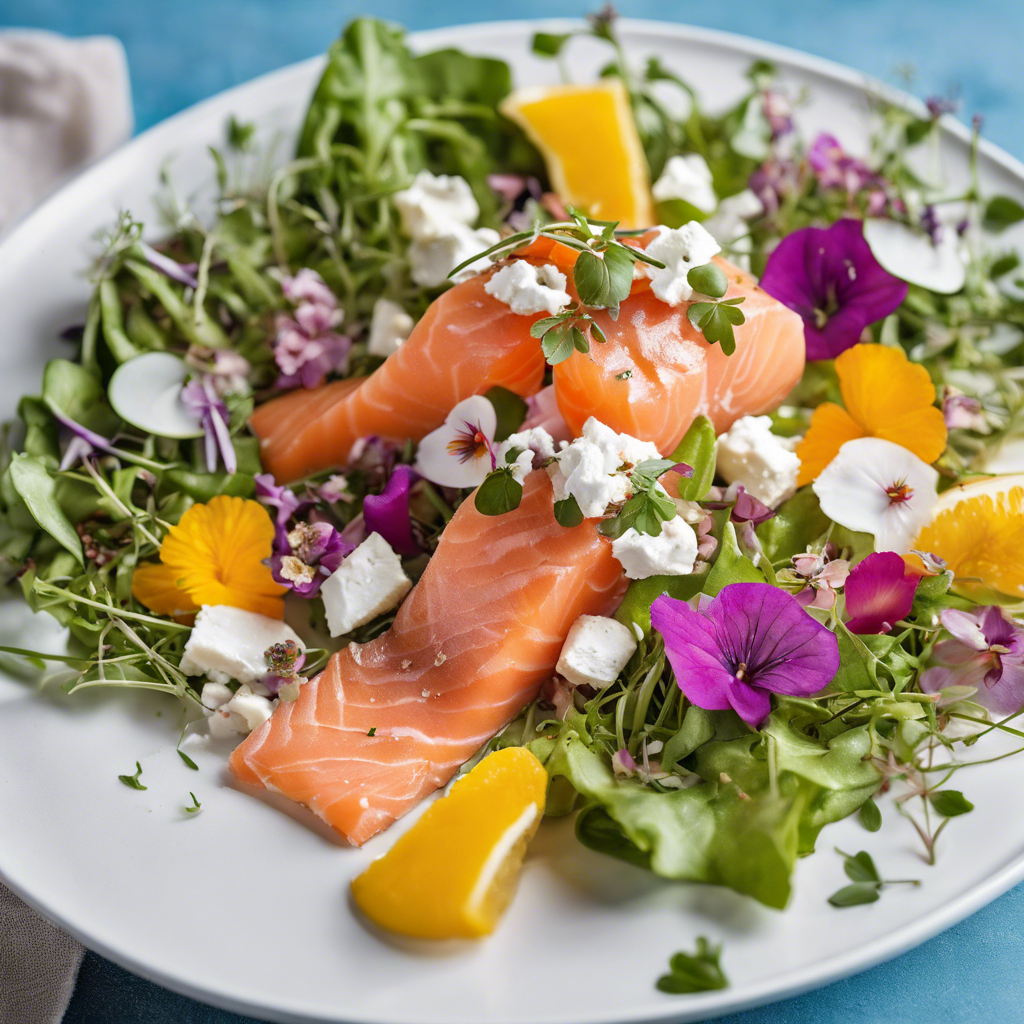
(731, 566)
(33, 483)
(568, 512)
(499, 493)
(635, 608)
(132, 781)
(604, 283)
(700, 971)
(697, 449)
(644, 512)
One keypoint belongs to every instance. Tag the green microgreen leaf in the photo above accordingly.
(597, 334)
(644, 512)
(196, 805)
(188, 760)
(700, 971)
(856, 894)
(557, 344)
(604, 283)
(715, 320)
(568, 512)
(132, 781)
(499, 493)
(870, 815)
(708, 279)
(645, 475)
(549, 44)
(867, 883)
(373, 731)
(1001, 212)
(950, 803)
(860, 867)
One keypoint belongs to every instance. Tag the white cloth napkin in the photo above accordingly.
(63, 104)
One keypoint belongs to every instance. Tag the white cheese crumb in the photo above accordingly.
(764, 464)
(688, 178)
(253, 708)
(432, 260)
(433, 203)
(729, 221)
(680, 249)
(228, 643)
(368, 582)
(594, 468)
(536, 444)
(364, 802)
(595, 651)
(424, 693)
(390, 325)
(527, 289)
(215, 695)
(671, 553)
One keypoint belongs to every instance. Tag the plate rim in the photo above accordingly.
(792, 983)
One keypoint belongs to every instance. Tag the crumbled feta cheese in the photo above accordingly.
(390, 325)
(228, 643)
(680, 249)
(215, 695)
(527, 289)
(368, 582)
(595, 651)
(537, 444)
(729, 221)
(432, 204)
(224, 725)
(671, 553)
(688, 178)
(764, 464)
(431, 261)
(594, 468)
(251, 707)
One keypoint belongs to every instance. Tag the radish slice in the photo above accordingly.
(910, 255)
(146, 392)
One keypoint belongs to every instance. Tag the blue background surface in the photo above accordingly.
(181, 51)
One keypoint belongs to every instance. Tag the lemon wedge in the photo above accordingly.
(589, 141)
(978, 528)
(453, 874)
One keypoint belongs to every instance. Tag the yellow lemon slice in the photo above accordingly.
(454, 872)
(589, 141)
(978, 528)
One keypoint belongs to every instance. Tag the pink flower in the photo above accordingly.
(307, 347)
(311, 552)
(986, 651)
(387, 513)
(308, 286)
(817, 579)
(963, 412)
(835, 168)
(773, 181)
(879, 592)
(542, 411)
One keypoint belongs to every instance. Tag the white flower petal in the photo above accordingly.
(853, 492)
(909, 254)
(435, 462)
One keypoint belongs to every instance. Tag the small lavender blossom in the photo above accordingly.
(307, 347)
(963, 412)
(814, 579)
(774, 181)
(308, 286)
(778, 112)
(836, 169)
(201, 399)
(311, 553)
(939, 105)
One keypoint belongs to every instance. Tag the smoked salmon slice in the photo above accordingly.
(390, 721)
(466, 343)
(656, 372)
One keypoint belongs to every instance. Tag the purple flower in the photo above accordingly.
(963, 412)
(228, 370)
(83, 442)
(751, 640)
(311, 552)
(773, 181)
(283, 663)
(307, 347)
(201, 399)
(835, 168)
(939, 105)
(749, 509)
(778, 112)
(879, 592)
(282, 500)
(388, 513)
(308, 286)
(829, 276)
(931, 225)
(987, 652)
(183, 273)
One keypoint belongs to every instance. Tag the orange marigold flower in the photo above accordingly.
(213, 556)
(886, 396)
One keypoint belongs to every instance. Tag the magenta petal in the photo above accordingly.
(387, 513)
(1002, 691)
(831, 278)
(751, 703)
(879, 593)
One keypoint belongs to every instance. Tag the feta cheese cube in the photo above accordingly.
(390, 325)
(594, 469)
(368, 582)
(215, 695)
(228, 643)
(253, 709)
(536, 443)
(688, 178)
(527, 289)
(680, 249)
(433, 203)
(671, 553)
(764, 464)
(432, 260)
(595, 651)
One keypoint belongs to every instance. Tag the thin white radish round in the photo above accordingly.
(909, 254)
(146, 392)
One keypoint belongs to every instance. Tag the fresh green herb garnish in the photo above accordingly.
(700, 971)
(196, 805)
(132, 781)
(867, 883)
(373, 731)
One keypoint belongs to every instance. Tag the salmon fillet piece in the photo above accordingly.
(469, 648)
(466, 343)
(656, 372)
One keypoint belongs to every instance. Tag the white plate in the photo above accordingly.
(244, 906)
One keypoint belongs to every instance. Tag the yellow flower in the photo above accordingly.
(213, 556)
(978, 528)
(886, 396)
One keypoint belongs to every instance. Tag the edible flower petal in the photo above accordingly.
(887, 396)
(461, 452)
(387, 513)
(201, 399)
(751, 640)
(830, 277)
(878, 487)
(879, 592)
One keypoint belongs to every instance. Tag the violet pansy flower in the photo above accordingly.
(879, 592)
(830, 277)
(311, 553)
(986, 651)
(387, 513)
(461, 452)
(284, 503)
(750, 641)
